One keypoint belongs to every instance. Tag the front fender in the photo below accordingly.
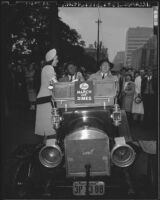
(25, 151)
(148, 146)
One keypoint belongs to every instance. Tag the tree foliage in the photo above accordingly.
(29, 29)
(34, 27)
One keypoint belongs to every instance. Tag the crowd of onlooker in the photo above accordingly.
(138, 95)
(23, 83)
(137, 88)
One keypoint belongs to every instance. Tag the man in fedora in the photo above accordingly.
(104, 72)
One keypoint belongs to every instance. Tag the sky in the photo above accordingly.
(115, 23)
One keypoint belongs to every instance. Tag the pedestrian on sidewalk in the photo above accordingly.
(148, 89)
(127, 96)
(29, 75)
(137, 106)
(121, 85)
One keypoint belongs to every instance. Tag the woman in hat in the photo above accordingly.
(127, 95)
(137, 106)
(43, 125)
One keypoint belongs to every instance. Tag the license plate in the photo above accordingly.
(95, 188)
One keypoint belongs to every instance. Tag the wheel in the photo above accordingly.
(17, 178)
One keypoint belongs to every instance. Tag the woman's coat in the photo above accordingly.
(127, 96)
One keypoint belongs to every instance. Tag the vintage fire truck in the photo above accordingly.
(94, 153)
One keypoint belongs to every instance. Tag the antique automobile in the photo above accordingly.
(94, 152)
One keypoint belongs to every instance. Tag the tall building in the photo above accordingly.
(136, 38)
(137, 57)
(146, 56)
(118, 60)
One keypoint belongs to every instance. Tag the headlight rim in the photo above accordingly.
(129, 161)
(49, 164)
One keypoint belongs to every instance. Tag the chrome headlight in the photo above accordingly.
(50, 155)
(122, 155)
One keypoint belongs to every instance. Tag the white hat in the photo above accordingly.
(50, 55)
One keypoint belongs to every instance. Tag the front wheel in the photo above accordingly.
(17, 178)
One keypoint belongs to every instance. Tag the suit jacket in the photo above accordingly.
(121, 83)
(98, 76)
(153, 81)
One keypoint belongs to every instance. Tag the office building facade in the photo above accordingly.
(146, 56)
(135, 38)
(118, 60)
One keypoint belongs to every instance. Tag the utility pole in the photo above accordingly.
(98, 22)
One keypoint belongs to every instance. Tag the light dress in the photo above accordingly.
(137, 108)
(43, 123)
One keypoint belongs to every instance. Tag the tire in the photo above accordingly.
(17, 178)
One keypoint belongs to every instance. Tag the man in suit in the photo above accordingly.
(121, 84)
(104, 73)
(148, 90)
(71, 73)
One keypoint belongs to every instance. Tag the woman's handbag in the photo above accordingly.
(138, 99)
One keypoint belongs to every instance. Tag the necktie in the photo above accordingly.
(103, 76)
(71, 78)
